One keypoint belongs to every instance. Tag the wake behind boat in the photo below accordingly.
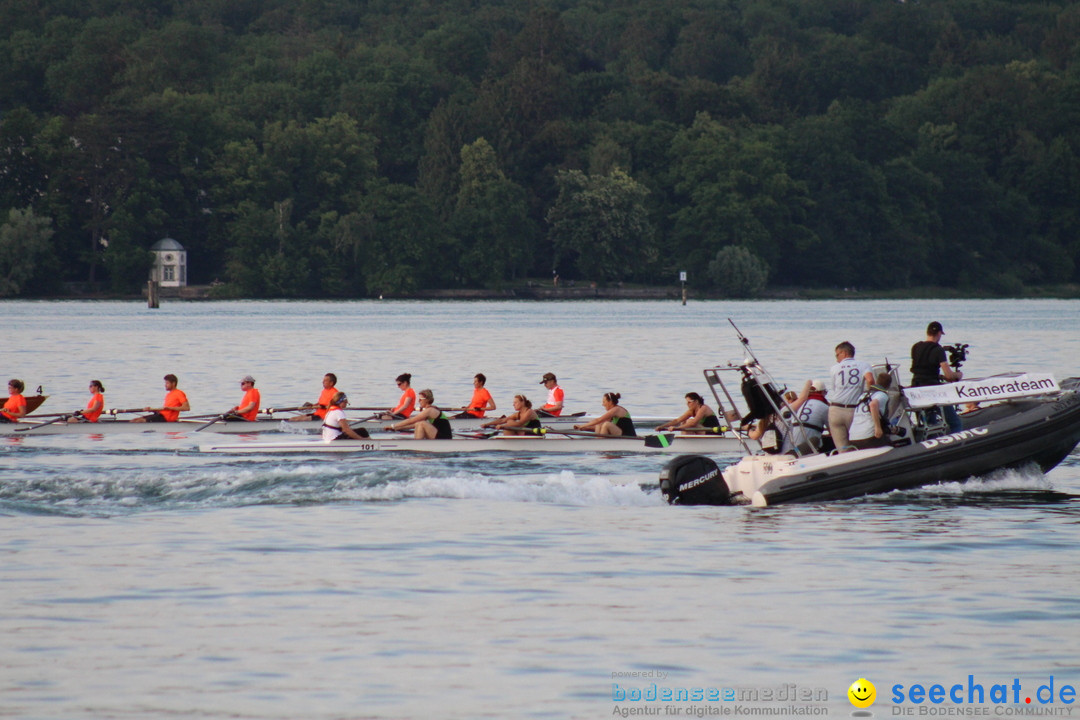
(1030, 420)
(549, 442)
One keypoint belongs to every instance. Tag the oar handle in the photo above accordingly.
(117, 411)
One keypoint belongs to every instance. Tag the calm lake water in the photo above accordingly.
(139, 579)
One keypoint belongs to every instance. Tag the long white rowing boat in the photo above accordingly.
(549, 443)
(110, 424)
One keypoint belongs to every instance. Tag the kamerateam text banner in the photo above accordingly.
(1000, 387)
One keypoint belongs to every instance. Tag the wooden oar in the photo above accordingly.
(41, 425)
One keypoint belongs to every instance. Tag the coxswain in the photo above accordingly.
(174, 403)
(430, 422)
(481, 399)
(248, 408)
(94, 406)
(615, 420)
(335, 425)
(406, 403)
(519, 422)
(697, 414)
(15, 406)
(322, 405)
(554, 405)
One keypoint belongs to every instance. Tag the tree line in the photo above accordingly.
(352, 148)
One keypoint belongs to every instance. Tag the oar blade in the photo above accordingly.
(660, 440)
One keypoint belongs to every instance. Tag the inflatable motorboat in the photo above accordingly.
(1019, 420)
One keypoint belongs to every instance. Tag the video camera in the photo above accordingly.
(957, 354)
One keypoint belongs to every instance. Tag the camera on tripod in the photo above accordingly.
(957, 354)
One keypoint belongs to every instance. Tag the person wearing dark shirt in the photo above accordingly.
(929, 366)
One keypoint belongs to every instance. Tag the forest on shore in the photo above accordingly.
(358, 148)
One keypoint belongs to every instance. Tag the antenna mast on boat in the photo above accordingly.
(751, 358)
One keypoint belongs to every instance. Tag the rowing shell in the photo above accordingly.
(518, 444)
(109, 425)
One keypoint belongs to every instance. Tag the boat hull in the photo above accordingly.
(544, 444)
(108, 425)
(1039, 436)
(1037, 433)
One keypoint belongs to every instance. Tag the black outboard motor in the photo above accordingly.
(694, 480)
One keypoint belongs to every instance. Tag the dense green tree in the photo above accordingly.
(398, 243)
(856, 143)
(737, 272)
(491, 221)
(600, 228)
(736, 190)
(24, 242)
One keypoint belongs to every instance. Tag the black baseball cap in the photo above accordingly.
(547, 376)
(934, 328)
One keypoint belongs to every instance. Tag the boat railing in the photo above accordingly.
(767, 393)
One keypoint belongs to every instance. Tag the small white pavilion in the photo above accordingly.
(170, 263)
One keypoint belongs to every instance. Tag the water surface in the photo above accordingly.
(141, 579)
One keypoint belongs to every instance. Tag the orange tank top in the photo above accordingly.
(13, 403)
(173, 398)
(480, 398)
(251, 396)
(406, 403)
(324, 400)
(94, 407)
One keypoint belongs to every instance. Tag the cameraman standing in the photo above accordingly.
(929, 365)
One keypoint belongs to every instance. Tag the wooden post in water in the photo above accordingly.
(151, 294)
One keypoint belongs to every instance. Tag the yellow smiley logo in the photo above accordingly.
(862, 693)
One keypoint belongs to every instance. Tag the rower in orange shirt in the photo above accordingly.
(94, 407)
(326, 398)
(481, 399)
(248, 409)
(15, 406)
(406, 403)
(174, 403)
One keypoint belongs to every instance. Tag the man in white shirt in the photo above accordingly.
(849, 379)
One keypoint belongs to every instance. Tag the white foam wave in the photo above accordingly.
(314, 483)
(999, 481)
(563, 488)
